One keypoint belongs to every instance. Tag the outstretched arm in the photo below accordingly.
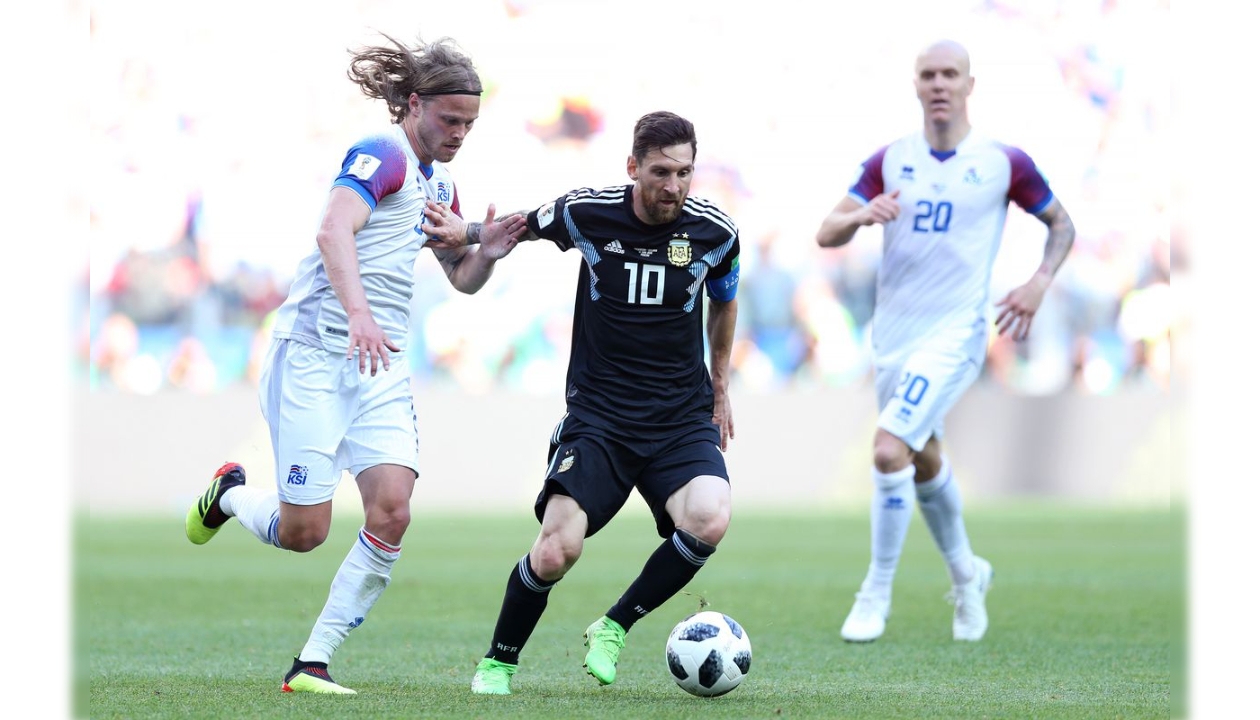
(1017, 309)
(721, 332)
(466, 267)
(474, 230)
(448, 231)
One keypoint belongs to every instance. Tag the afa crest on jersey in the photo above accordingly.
(679, 252)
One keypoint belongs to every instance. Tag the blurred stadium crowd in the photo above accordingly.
(213, 146)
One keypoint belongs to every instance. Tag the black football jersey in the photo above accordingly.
(638, 357)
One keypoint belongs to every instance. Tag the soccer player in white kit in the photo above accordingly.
(942, 196)
(335, 388)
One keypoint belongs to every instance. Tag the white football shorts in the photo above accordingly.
(915, 395)
(327, 417)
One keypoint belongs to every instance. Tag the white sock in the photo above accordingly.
(890, 520)
(359, 582)
(942, 505)
(257, 510)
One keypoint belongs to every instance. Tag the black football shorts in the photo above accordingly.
(599, 468)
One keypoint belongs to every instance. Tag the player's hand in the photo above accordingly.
(498, 237)
(370, 341)
(445, 229)
(723, 417)
(884, 208)
(1016, 310)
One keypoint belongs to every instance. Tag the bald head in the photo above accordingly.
(944, 53)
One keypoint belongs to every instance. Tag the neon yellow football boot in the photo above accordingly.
(205, 517)
(312, 677)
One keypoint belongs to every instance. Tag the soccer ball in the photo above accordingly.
(708, 654)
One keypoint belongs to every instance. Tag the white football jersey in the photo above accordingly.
(938, 255)
(388, 176)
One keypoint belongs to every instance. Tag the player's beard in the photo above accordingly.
(660, 214)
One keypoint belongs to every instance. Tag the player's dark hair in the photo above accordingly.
(660, 130)
(392, 72)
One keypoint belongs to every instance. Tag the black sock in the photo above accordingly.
(523, 605)
(668, 570)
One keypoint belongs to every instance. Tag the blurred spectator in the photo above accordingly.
(113, 346)
(837, 347)
(192, 368)
(574, 121)
(766, 307)
(1146, 316)
(119, 360)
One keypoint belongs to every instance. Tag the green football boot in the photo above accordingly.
(493, 677)
(605, 638)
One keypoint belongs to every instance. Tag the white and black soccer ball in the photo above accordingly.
(708, 654)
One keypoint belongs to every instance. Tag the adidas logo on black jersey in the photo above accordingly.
(615, 247)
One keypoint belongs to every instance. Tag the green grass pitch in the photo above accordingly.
(1086, 621)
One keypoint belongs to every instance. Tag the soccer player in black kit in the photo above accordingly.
(643, 410)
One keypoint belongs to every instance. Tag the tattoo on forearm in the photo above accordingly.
(472, 230)
(1059, 239)
(450, 259)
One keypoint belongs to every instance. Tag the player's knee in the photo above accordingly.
(301, 538)
(889, 463)
(702, 508)
(550, 563)
(926, 468)
(389, 522)
(891, 454)
(707, 525)
(553, 555)
(928, 461)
